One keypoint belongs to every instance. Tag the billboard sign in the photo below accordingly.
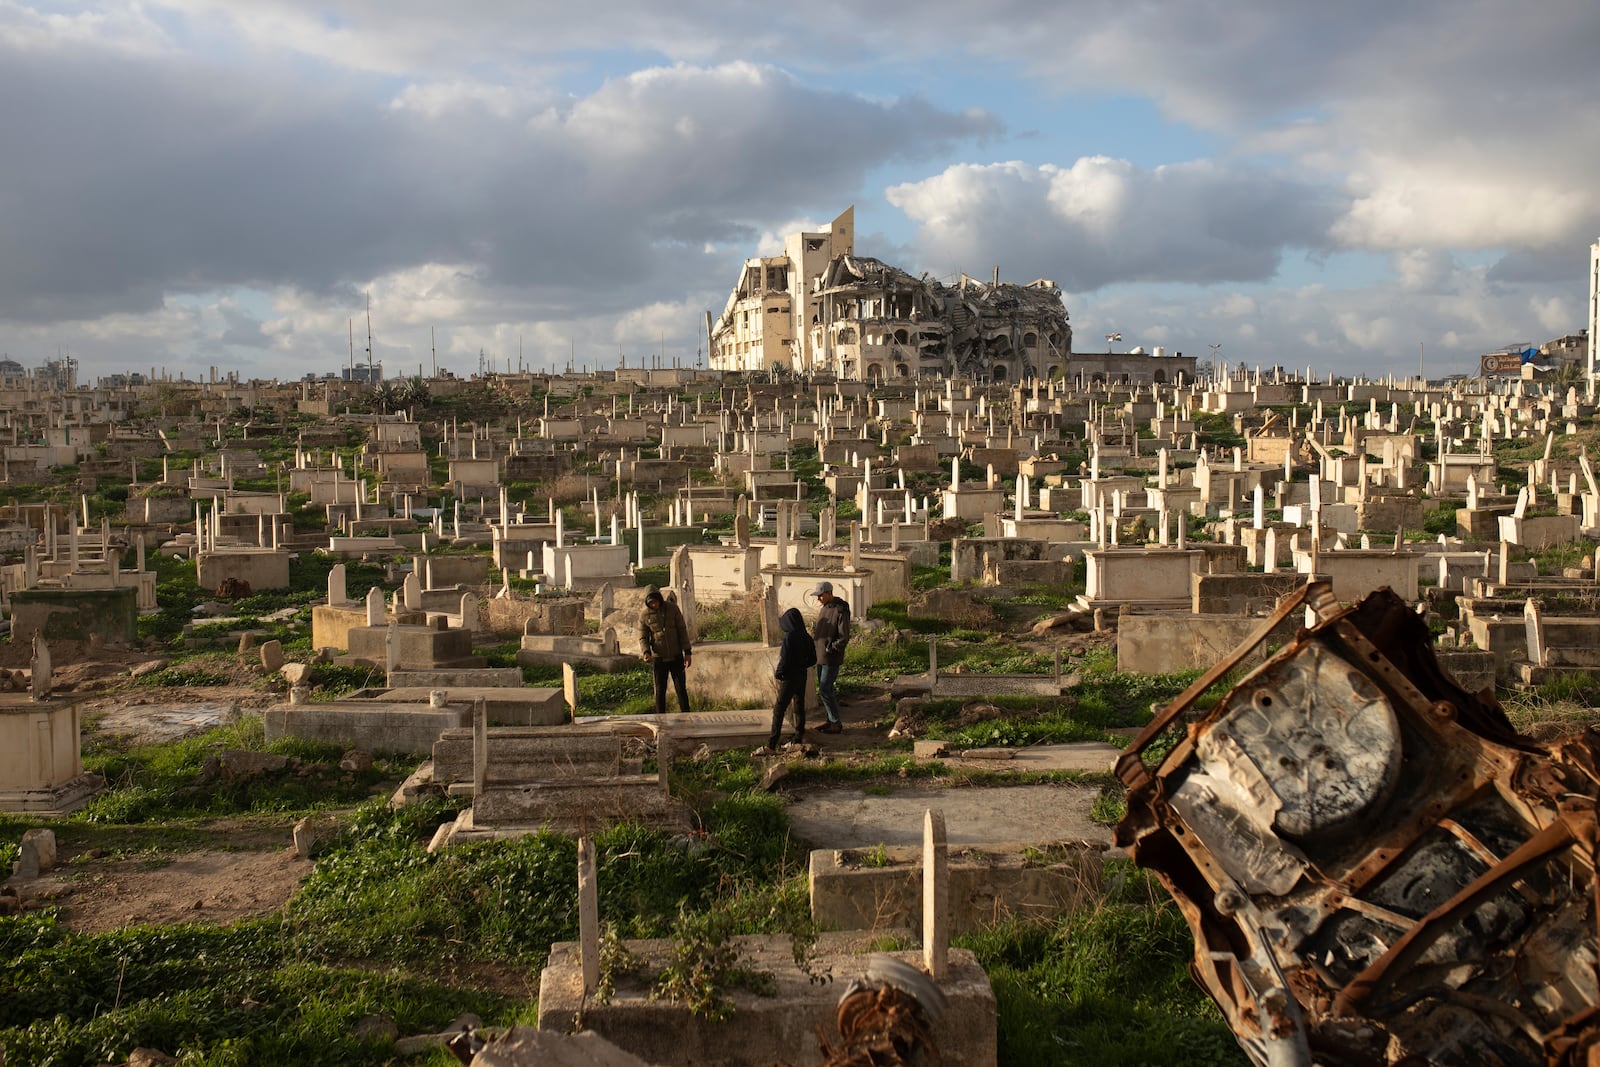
(1501, 363)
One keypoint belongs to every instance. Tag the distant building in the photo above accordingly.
(11, 371)
(1573, 349)
(820, 308)
(114, 381)
(364, 373)
(1130, 368)
(59, 374)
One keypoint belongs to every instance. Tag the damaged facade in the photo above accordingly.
(1377, 868)
(821, 309)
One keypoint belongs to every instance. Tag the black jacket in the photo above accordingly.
(798, 653)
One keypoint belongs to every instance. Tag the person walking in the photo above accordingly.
(796, 656)
(830, 634)
(664, 641)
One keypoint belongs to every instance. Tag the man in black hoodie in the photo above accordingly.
(796, 656)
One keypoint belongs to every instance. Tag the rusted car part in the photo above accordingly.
(1376, 867)
(884, 1018)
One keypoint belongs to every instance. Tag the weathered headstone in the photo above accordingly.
(391, 647)
(1533, 622)
(336, 590)
(588, 917)
(375, 610)
(935, 895)
(41, 667)
(569, 687)
(272, 656)
(469, 612)
(411, 589)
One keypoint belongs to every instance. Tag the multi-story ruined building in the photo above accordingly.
(820, 308)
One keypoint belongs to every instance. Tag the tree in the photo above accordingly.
(382, 395)
(413, 393)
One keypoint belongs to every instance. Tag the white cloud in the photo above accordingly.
(1103, 221)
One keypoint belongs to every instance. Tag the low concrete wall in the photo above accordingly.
(1163, 644)
(1243, 593)
(740, 673)
(76, 615)
(761, 1029)
(416, 647)
(262, 568)
(367, 725)
(848, 893)
(331, 624)
(1473, 669)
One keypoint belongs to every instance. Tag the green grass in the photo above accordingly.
(151, 783)
(221, 995)
(1105, 987)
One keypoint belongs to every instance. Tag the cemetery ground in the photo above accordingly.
(182, 919)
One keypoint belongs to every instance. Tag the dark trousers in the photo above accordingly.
(789, 689)
(674, 667)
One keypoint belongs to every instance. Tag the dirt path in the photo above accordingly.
(207, 885)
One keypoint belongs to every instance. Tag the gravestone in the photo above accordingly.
(41, 668)
(336, 585)
(375, 610)
(272, 656)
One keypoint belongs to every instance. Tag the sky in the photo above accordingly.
(1356, 187)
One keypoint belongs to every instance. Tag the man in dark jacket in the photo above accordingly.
(831, 634)
(796, 656)
(664, 641)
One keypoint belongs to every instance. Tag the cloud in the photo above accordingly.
(137, 179)
(1103, 221)
(1362, 329)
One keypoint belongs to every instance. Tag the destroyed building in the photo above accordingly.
(820, 308)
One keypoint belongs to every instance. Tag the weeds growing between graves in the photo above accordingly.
(1107, 985)
(177, 779)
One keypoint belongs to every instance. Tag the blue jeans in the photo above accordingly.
(827, 674)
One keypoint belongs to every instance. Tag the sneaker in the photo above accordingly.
(764, 750)
(831, 728)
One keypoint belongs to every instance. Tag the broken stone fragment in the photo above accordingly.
(149, 1057)
(38, 853)
(311, 832)
(378, 1028)
(296, 673)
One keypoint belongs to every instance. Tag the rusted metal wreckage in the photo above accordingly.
(1377, 868)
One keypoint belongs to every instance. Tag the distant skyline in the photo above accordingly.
(191, 183)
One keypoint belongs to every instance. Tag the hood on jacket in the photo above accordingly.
(792, 621)
(652, 591)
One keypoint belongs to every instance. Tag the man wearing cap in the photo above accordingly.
(664, 640)
(831, 633)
